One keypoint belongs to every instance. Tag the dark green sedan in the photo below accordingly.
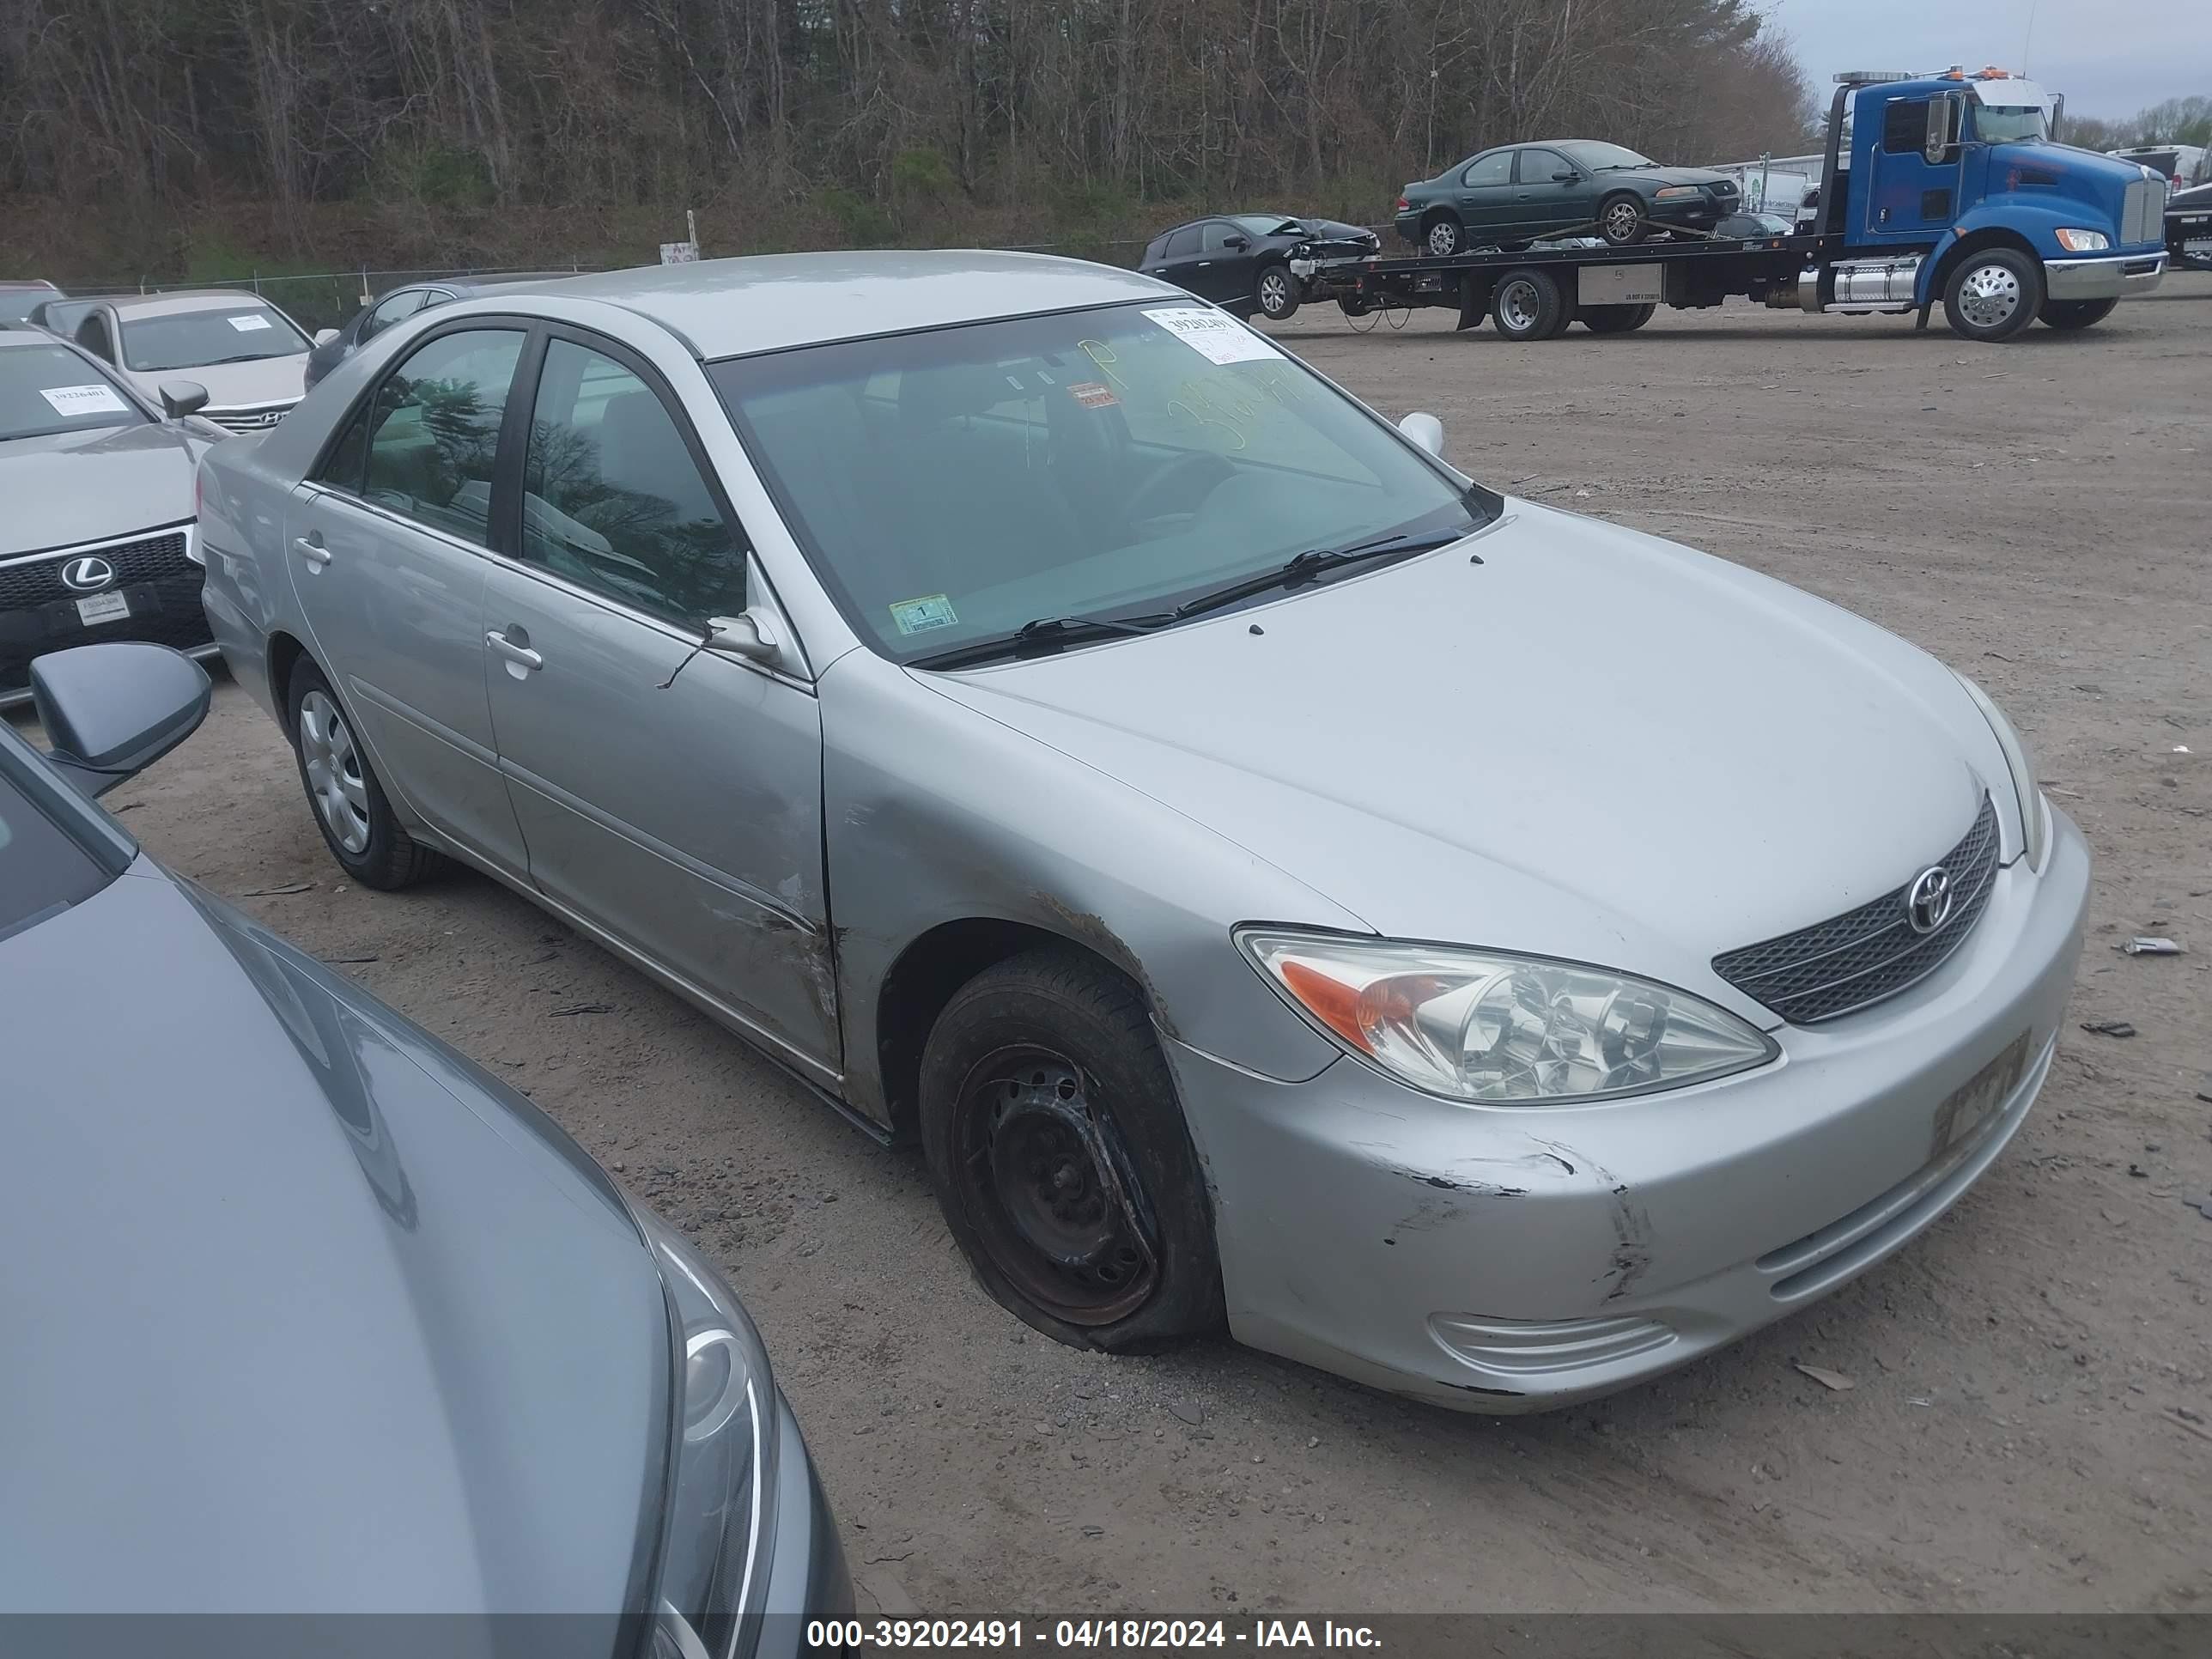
(1526, 192)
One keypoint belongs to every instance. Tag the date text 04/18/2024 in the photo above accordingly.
(853, 1634)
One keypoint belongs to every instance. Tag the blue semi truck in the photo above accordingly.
(1947, 190)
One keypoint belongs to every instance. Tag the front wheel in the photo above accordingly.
(1993, 294)
(2076, 313)
(1620, 219)
(1060, 1158)
(1276, 294)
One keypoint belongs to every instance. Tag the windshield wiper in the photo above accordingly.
(217, 362)
(1310, 564)
(1043, 637)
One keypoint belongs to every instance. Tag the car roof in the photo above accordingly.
(770, 302)
(176, 301)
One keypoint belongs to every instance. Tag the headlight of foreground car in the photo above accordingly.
(1676, 192)
(2034, 811)
(714, 1559)
(2083, 242)
(1512, 1030)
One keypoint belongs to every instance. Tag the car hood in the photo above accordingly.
(2196, 199)
(70, 487)
(1664, 175)
(1335, 230)
(233, 386)
(1594, 743)
(303, 1313)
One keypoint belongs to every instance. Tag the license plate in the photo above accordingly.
(1972, 1104)
(103, 607)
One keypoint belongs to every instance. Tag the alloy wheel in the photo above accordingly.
(1443, 238)
(1621, 221)
(334, 775)
(1274, 293)
(1519, 303)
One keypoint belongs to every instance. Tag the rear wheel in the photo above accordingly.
(2076, 313)
(1276, 294)
(350, 805)
(1443, 236)
(1060, 1159)
(1620, 219)
(1616, 320)
(1993, 294)
(1526, 305)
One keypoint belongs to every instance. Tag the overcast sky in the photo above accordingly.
(2110, 58)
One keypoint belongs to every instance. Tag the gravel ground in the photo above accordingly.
(2029, 1426)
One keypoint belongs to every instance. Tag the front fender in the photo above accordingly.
(2035, 219)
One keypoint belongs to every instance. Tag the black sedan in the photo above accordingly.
(387, 309)
(1241, 261)
(1519, 193)
(307, 1314)
(2189, 226)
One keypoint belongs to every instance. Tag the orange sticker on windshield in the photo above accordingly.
(1091, 395)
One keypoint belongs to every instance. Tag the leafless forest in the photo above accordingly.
(291, 130)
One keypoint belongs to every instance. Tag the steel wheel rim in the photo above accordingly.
(1044, 1175)
(1444, 236)
(1517, 303)
(1621, 220)
(335, 781)
(1990, 296)
(1274, 291)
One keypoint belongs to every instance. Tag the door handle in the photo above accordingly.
(312, 552)
(514, 653)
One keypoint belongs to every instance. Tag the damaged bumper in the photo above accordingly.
(1518, 1259)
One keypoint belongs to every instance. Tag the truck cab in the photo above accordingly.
(1953, 189)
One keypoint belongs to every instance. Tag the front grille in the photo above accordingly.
(247, 420)
(38, 610)
(1864, 955)
(2141, 218)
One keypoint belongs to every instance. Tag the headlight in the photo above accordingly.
(1481, 1025)
(2083, 242)
(2034, 811)
(720, 1525)
(1672, 192)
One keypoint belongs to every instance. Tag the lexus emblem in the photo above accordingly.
(1927, 901)
(88, 575)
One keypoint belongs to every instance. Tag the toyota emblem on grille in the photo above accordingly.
(1927, 901)
(88, 575)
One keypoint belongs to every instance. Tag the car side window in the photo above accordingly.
(1904, 126)
(1495, 168)
(432, 430)
(1217, 235)
(92, 334)
(612, 501)
(1537, 166)
(1183, 243)
(390, 309)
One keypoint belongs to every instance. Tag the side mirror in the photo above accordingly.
(744, 636)
(1427, 431)
(1565, 178)
(183, 397)
(324, 336)
(112, 710)
(1941, 110)
(1239, 242)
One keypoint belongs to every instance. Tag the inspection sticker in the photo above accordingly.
(1214, 335)
(1091, 394)
(246, 325)
(920, 616)
(84, 400)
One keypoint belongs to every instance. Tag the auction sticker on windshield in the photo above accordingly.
(920, 616)
(1214, 335)
(83, 400)
(246, 325)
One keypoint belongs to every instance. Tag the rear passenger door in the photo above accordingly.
(1484, 195)
(1179, 257)
(671, 797)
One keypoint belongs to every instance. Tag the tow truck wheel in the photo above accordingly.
(2076, 313)
(1527, 305)
(1443, 236)
(1620, 219)
(1993, 294)
(1616, 320)
(1276, 294)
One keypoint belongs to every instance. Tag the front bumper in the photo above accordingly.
(2107, 277)
(808, 1579)
(1518, 1259)
(155, 574)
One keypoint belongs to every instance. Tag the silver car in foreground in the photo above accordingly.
(1471, 948)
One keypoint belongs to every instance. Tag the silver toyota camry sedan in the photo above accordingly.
(1280, 881)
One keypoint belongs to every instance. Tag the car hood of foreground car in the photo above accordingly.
(1593, 745)
(302, 1315)
(70, 487)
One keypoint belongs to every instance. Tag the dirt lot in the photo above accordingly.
(2030, 1427)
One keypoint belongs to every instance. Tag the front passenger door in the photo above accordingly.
(1225, 262)
(1547, 203)
(671, 797)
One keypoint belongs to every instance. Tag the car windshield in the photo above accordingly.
(48, 388)
(196, 339)
(43, 869)
(1267, 224)
(953, 485)
(1996, 124)
(1603, 158)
